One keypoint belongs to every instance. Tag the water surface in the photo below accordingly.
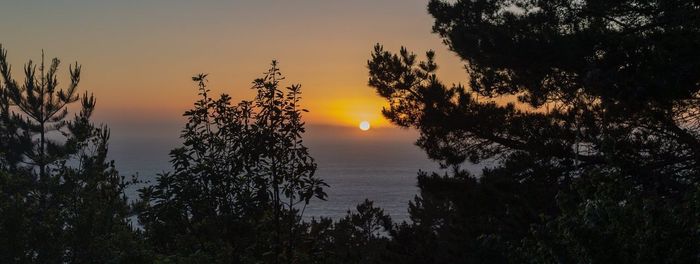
(380, 164)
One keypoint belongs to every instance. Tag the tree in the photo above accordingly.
(62, 201)
(238, 179)
(6, 139)
(43, 108)
(601, 87)
(359, 237)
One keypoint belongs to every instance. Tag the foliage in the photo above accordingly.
(605, 219)
(359, 237)
(606, 91)
(62, 201)
(238, 180)
(44, 110)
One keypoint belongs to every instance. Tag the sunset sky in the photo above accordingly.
(138, 56)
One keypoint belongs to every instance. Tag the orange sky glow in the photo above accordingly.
(138, 56)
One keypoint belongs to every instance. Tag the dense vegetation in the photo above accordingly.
(236, 193)
(237, 181)
(597, 161)
(595, 158)
(62, 200)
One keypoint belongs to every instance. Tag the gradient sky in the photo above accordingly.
(138, 56)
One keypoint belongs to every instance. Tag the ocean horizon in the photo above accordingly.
(381, 168)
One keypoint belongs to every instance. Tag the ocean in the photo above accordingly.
(380, 165)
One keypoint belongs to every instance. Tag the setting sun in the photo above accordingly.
(364, 125)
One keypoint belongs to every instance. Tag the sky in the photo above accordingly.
(138, 57)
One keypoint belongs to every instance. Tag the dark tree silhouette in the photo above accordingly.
(44, 108)
(237, 181)
(6, 140)
(604, 132)
(62, 201)
(359, 237)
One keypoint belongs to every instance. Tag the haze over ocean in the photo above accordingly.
(382, 167)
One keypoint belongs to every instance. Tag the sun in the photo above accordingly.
(364, 125)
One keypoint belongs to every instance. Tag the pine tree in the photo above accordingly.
(43, 109)
(66, 202)
(603, 90)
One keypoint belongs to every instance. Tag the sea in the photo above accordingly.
(380, 164)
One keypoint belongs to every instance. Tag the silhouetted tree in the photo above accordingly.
(62, 201)
(285, 161)
(209, 206)
(44, 109)
(605, 123)
(237, 181)
(6, 140)
(359, 237)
